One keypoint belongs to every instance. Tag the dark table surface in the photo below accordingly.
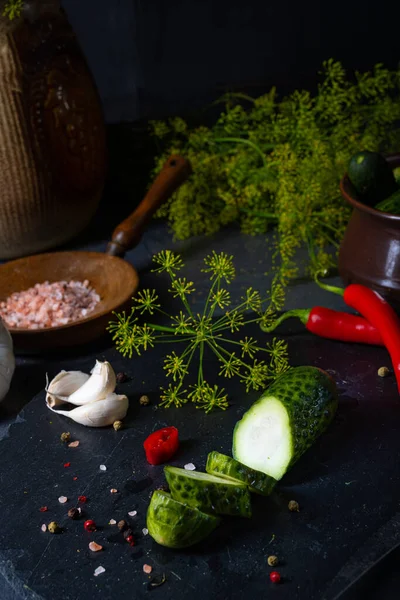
(347, 484)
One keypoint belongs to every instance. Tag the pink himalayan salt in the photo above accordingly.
(49, 305)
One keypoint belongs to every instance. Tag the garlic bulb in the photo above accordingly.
(78, 388)
(98, 405)
(7, 360)
(99, 413)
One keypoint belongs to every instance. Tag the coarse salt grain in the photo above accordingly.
(103, 468)
(145, 531)
(190, 467)
(44, 527)
(49, 305)
(112, 522)
(114, 491)
(99, 571)
(63, 499)
(95, 547)
(133, 513)
(74, 444)
(147, 569)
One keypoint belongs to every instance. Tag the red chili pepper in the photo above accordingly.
(334, 325)
(161, 445)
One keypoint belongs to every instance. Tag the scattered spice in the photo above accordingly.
(294, 506)
(95, 547)
(273, 560)
(144, 400)
(114, 491)
(161, 445)
(122, 525)
(44, 527)
(63, 499)
(190, 467)
(128, 533)
(147, 569)
(118, 425)
(53, 527)
(121, 377)
(383, 371)
(163, 488)
(74, 444)
(145, 531)
(130, 540)
(74, 478)
(74, 513)
(82, 499)
(112, 522)
(132, 513)
(49, 304)
(66, 465)
(43, 509)
(89, 525)
(65, 437)
(275, 577)
(99, 571)
(103, 468)
(157, 581)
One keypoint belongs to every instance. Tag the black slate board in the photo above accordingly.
(346, 485)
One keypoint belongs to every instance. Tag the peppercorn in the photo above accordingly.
(122, 525)
(74, 513)
(144, 400)
(275, 577)
(121, 377)
(89, 525)
(118, 425)
(383, 372)
(65, 437)
(294, 506)
(53, 527)
(128, 532)
(273, 561)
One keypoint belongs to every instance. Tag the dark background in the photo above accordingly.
(151, 58)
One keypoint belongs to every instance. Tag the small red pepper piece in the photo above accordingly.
(66, 465)
(275, 577)
(89, 525)
(43, 509)
(82, 499)
(334, 325)
(161, 445)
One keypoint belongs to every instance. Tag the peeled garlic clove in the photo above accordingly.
(7, 360)
(64, 385)
(99, 413)
(101, 382)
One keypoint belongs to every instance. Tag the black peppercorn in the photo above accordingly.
(122, 525)
(128, 532)
(121, 377)
(74, 513)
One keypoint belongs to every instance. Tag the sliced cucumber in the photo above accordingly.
(209, 493)
(221, 465)
(175, 525)
(285, 421)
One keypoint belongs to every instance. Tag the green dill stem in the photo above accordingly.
(217, 349)
(256, 213)
(301, 313)
(200, 377)
(212, 309)
(168, 329)
(242, 141)
(329, 288)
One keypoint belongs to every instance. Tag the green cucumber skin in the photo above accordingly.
(310, 398)
(215, 498)
(225, 466)
(176, 525)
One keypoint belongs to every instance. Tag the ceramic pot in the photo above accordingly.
(52, 133)
(370, 250)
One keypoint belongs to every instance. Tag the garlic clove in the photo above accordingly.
(101, 382)
(99, 413)
(7, 360)
(64, 385)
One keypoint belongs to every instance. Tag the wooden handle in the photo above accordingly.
(128, 234)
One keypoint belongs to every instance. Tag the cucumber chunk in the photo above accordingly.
(175, 525)
(221, 465)
(208, 493)
(285, 421)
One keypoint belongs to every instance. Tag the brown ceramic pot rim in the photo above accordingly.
(393, 159)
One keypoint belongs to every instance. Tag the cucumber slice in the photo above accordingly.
(209, 493)
(175, 525)
(221, 465)
(285, 421)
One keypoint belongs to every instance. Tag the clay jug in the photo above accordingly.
(52, 133)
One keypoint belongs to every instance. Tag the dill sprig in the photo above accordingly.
(198, 332)
(273, 163)
(13, 9)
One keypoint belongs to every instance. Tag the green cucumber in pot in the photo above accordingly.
(371, 176)
(209, 493)
(285, 421)
(221, 465)
(175, 525)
